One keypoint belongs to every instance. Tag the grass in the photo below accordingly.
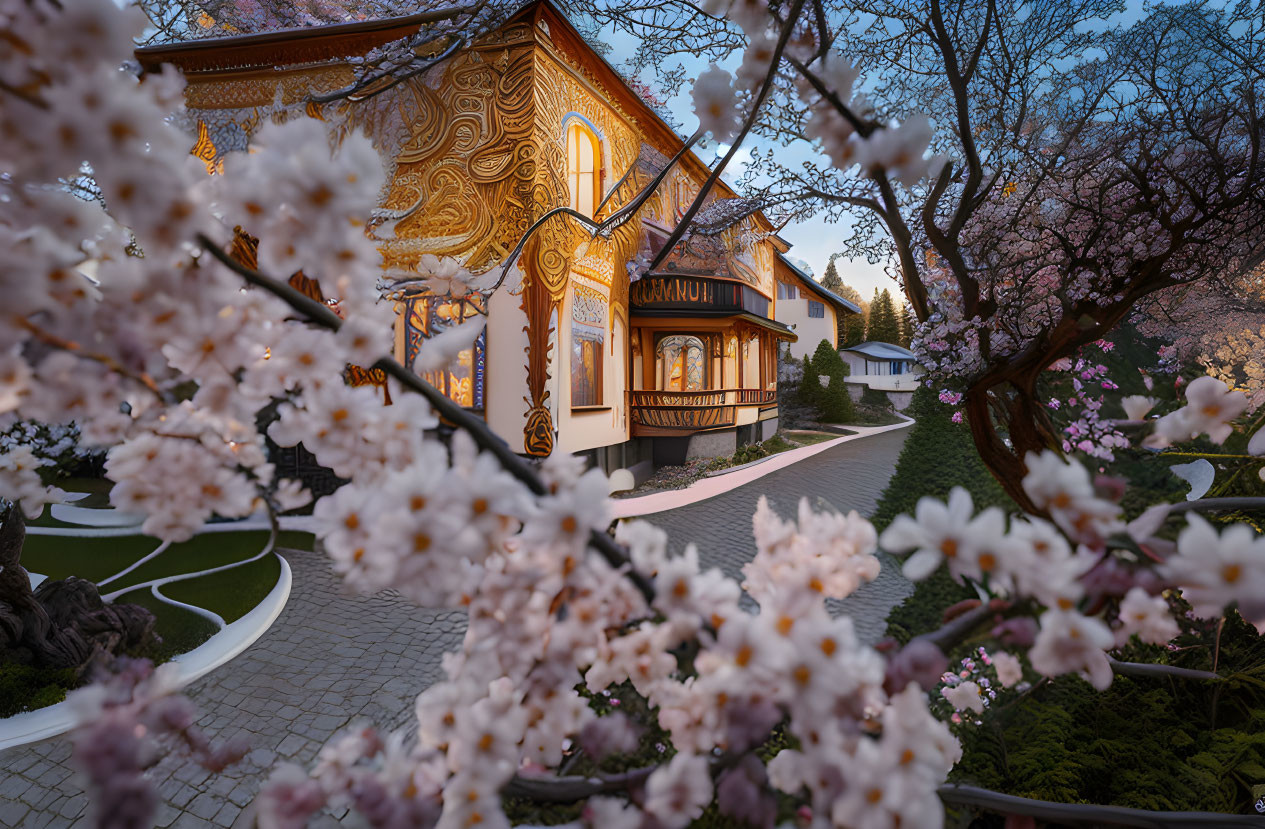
(180, 630)
(202, 552)
(59, 556)
(876, 418)
(805, 437)
(230, 593)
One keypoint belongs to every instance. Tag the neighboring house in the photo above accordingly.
(883, 366)
(808, 309)
(579, 354)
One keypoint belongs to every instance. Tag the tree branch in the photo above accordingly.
(697, 204)
(1084, 814)
(1154, 671)
(483, 436)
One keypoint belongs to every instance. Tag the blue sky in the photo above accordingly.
(814, 240)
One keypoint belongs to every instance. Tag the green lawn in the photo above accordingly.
(808, 438)
(180, 630)
(201, 552)
(230, 593)
(876, 419)
(59, 556)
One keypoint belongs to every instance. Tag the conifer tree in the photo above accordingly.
(884, 326)
(831, 281)
(906, 326)
(851, 326)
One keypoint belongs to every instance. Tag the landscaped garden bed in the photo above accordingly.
(193, 588)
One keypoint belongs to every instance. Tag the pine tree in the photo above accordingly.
(831, 281)
(906, 326)
(884, 326)
(851, 326)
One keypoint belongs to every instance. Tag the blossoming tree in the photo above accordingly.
(128, 317)
(1085, 167)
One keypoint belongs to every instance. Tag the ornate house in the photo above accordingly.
(582, 352)
(808, 309)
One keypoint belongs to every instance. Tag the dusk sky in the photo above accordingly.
(815, 240)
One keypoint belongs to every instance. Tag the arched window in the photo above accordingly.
(682, 363)
(583, 157)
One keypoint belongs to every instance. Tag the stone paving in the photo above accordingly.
(332, 657)
(850, 476)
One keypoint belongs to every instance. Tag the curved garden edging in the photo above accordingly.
(235, 637)
(734, 477)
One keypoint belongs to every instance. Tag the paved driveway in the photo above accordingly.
(850, 476)
(332, 656)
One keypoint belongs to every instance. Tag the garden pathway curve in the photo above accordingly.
(332, 657)
(850, 476)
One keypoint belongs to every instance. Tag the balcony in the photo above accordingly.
(659, 413)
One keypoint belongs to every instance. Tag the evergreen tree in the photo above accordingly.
(833, 403)
(884, 326)
(831, 281)
(906, 326)
(851, 326)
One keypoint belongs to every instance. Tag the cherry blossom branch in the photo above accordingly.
(106, 360)
(595, 228)
(1084, 814)
(679, 231)
(1213, 504)
(1148, 670)
(575, 788)
(517, 466)
(956, 630)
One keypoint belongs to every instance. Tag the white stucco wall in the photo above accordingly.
(506, 385)
(810, 330)
(589, 428)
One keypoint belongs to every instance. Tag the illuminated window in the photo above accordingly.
(464, 379)
(583, 154)
(681, 362)
(588, 334)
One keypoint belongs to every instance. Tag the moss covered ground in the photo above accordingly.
(1152, 744)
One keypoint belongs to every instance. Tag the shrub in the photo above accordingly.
(747, 454)
(831, 403)
(26, 688)
(873, 398)
(938, 455)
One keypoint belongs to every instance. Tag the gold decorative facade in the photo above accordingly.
(477, 149)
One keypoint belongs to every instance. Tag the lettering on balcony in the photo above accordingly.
(676, 291)
(696, 293)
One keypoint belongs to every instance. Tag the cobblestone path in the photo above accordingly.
(332, 657)
(851, 476)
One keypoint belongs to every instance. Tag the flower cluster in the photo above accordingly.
(973, 685)
(125, 714)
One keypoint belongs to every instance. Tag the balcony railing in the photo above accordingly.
(684, 412)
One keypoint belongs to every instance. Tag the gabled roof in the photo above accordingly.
(883, 351)
(288, 48)
(816, 287)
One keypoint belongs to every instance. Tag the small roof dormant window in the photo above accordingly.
(583, 154)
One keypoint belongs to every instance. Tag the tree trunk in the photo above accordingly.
(1011, 408)
(63, 624)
